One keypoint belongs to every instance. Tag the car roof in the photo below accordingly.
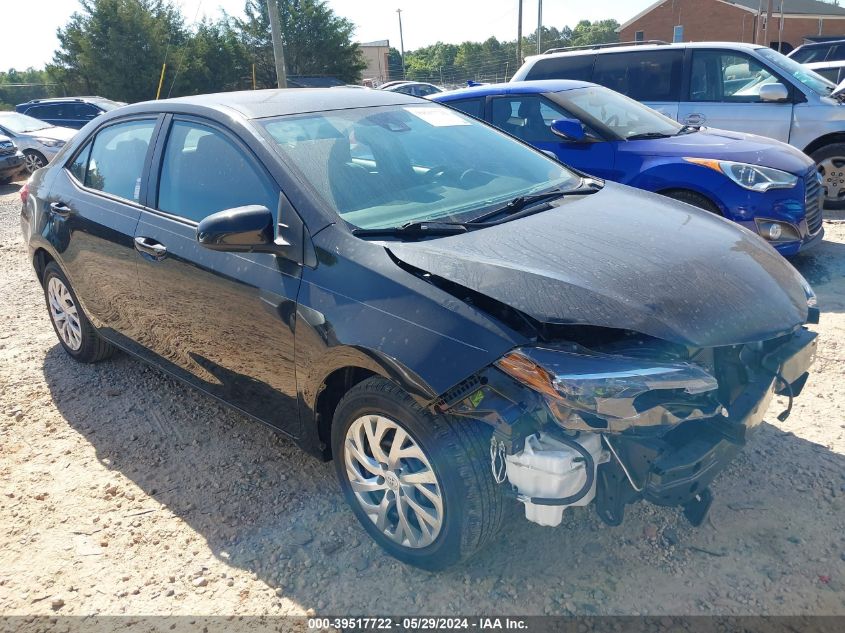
(66, 100)
(735, 46)
(537, 86)
(257, 104)
(820, 44)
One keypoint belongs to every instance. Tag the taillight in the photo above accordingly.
(25, 192)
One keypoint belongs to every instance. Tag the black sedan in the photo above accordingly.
(457, 319)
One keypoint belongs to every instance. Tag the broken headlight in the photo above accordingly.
(589, 391)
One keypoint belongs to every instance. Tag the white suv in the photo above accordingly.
(741, 87)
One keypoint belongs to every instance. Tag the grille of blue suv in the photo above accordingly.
(6, 147)
(813, 201)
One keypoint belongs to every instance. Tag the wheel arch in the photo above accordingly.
(40, 258)
(686, 189)
(342, 369)
(827, 139)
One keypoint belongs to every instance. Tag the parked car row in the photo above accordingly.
(767, 186)
(738, 87)
(38, 129)
(459, 320)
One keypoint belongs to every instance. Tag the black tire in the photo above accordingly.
(693, 198)
(835, 152)
(93, 347)
(459, 452)
(34, 160)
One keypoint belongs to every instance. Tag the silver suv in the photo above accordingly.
(741, 87)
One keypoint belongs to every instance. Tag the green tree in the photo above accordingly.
(599, 32)
(115, 48)
(19, 86)
(315, 40)
(213, 59)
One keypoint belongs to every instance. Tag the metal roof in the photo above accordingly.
(793, 7)
(256, 104)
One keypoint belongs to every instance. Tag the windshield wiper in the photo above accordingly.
(688, 129)
(522, 203)
(646, 135)
(414, 229)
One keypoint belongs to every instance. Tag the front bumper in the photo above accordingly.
(12, 165)
(678, 467)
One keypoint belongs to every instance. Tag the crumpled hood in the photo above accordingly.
(627, 259)
(725, 145)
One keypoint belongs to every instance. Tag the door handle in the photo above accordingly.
(148, 246)
(60, 209)
(695, 119)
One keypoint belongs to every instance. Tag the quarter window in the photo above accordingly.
(727, 77)
(644, 76)
(114, 162)
(204, 172)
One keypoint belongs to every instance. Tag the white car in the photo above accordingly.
(39, 141)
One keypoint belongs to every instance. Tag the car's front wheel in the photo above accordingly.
(419, 483)
(830, 161)
(76, 334)
(34, 160)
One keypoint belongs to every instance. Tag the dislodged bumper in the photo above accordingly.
(667, 427)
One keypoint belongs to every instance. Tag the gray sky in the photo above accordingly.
(30, 36)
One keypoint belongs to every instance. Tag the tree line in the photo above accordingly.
(116, 49)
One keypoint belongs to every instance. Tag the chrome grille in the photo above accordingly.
(813, 201)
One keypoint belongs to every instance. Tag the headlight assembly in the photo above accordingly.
(597, 391)
(50, 142)
(753, 177)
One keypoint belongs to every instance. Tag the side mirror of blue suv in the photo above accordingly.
(568, 129)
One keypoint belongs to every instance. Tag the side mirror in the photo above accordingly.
(773, 92)
(568, 129)
(240, 230)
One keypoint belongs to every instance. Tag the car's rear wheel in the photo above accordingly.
(34, 160)
(693, 198)
(420, 484)
(830, 161)
(76, 334)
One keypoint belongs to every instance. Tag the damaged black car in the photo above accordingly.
(459, 321)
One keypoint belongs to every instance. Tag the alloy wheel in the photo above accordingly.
(64, 314)
(393, 481)
(832, 171)
(34, 161)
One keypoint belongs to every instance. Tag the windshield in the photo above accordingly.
(614, 114)
(809, 78)
(383, 167)
(107, 105)
(809, 54)
(20, 123)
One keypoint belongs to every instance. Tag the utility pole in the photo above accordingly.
(766, 40)
(539, 26)
(519, 36)
(278, 51)
(401, 42)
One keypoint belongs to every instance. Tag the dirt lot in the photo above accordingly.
(124, 492)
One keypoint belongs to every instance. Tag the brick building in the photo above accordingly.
(735, 21)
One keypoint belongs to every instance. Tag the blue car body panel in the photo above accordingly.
(659, 165)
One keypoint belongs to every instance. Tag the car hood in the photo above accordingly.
(58, 133)
(627, 259)
(725, 145)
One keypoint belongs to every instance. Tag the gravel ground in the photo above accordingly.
(124, 492)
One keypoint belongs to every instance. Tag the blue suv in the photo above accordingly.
(763, 184)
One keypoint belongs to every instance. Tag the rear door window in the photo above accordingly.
(837, 54)
(578, 67)
(642, 75)
(115, 162)
(204, 171)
